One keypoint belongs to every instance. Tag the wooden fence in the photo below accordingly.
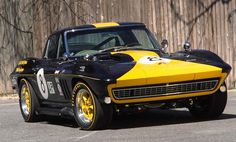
(207, 24)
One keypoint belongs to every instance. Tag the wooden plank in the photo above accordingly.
(158, 20)
(233, 22)
(181, 29)
(214, 19)
(170, 26)
(162, 26)
(178, 33)
(165, 21)
(154, 25)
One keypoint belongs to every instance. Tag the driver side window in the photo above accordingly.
(52, 45)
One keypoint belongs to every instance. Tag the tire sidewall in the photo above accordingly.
(215, 106)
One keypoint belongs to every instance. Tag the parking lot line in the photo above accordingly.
(87, 135)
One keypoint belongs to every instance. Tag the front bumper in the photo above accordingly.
(164, 96)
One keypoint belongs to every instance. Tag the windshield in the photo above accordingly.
(81, 43)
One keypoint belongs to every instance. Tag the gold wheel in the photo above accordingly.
(85, 106)
(25, 98)
(89, 113)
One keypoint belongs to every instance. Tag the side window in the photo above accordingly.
(52, 47)
(61, 48)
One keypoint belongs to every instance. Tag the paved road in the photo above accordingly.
(163, 126)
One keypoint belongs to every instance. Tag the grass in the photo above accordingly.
(8, 96)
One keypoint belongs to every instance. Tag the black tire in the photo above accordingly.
(27, 111)
(89, 119)
(210, 107)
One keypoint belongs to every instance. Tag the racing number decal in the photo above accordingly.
(50, 87)
(153, 60)
(42, 83)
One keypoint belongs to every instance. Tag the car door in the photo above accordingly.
(47, 79)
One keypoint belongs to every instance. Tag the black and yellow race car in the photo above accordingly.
(91, 72)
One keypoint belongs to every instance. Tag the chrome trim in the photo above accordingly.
(71, 75)
(164, 90)
(82, 76)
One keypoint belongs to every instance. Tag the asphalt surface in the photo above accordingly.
(153, 126)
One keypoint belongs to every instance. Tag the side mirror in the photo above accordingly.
(187, 46)
(164, 45)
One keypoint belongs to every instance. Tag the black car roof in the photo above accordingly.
(104, 25)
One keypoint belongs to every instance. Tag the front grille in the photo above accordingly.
(167, 89)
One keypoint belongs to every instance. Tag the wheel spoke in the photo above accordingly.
(91, 107)
(84, 98)
(90, 101)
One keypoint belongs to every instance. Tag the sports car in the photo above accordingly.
(92, 72)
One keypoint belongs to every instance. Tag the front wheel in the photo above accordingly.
(89, 113)
(212, 106)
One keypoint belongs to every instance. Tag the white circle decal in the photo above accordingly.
(153, 60)
(42, 83)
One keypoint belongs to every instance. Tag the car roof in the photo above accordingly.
(99, 25)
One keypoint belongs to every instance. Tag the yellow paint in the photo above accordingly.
(22, 62)
(19, 69)
(108, 24)
(137, 54)
(158, 73)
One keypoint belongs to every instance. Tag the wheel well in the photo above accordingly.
(75, 80)
(18, 80)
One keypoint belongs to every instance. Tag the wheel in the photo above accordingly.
(27, 101)
(212, 106)
(89, 113)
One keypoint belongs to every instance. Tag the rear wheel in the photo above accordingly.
(27, 101)
(212, 106)
(89, 113)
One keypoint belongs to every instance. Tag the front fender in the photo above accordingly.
(207, 57)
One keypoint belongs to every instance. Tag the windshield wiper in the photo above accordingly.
(127, 47)
(121, 47)
(114, 48)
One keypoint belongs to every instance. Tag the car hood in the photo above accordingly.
(149, 68)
